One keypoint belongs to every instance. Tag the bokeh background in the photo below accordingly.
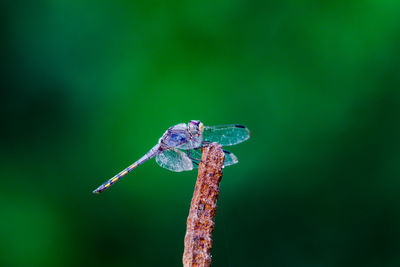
(88, 87)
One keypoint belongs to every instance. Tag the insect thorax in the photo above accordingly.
(174, 137)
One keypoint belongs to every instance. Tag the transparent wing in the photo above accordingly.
(174, 160)
(195, 154)
(226, 135)
(230, 158)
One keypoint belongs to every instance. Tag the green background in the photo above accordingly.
(89, 86)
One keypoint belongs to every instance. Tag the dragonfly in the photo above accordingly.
(179, 148)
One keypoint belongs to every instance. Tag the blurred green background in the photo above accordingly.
(89, 86)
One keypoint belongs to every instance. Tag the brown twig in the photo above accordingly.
(200, 222)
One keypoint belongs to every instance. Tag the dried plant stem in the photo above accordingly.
(200, 222)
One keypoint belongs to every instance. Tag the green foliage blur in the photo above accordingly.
(87, 87)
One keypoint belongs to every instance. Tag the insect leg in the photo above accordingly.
(188, 153)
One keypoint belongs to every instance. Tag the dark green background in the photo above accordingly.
(89, 86)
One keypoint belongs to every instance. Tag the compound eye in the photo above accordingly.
(195, 123)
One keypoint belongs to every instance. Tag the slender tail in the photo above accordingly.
(152, 153)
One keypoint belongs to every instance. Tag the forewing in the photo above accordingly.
(174, 160)
(226, 135)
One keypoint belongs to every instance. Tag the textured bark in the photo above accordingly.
(200, 222)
